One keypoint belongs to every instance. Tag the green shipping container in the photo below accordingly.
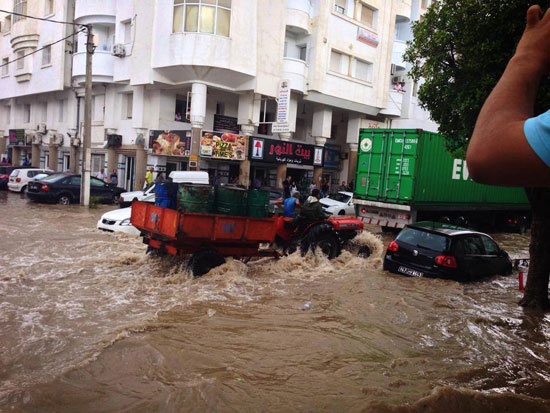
(196, 198)
(258, 203)
(231, 201)
(412, 167)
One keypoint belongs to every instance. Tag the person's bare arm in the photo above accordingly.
(498, 152)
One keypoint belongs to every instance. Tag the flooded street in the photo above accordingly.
(88, 322)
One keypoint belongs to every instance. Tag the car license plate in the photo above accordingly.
(408, 271)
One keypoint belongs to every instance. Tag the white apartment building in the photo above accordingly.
(202, 68)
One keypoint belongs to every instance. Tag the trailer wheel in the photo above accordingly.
(203, 261)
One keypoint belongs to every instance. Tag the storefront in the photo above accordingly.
(172, 148)
(221, 154)
(332, 166)
(300, 159)
(19, 147)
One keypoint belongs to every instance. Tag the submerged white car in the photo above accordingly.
(126, 198)
(118, 220)
(340, 203)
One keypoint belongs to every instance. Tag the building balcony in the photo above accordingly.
(95, 12)
(395, 104)
(298, 15)
(103, 63)
(403, 9)
(24, 35)
(398, 50)
(296, 71)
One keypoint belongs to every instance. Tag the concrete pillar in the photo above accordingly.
(141, 167)
(74, 160)
(3, 145)
(16, 156)
(286, 136)
(198, 116)
(244, 167)
(352, 164)
(318, 170)
(281, 175)
(112, 160)
(322, 123)
(36, 156)
(53, 158)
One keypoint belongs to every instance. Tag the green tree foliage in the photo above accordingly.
(460, 50)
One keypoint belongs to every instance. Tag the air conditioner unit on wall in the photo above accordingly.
(392, 69)
(114, 140)
(37, 139)
(119, 50)
(41, 128)
(75, 142)
(57, 139)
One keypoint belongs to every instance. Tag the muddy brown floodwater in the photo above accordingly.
(89, 323)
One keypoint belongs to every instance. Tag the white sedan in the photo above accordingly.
(118, 220)
(340, 203)
(126, 198)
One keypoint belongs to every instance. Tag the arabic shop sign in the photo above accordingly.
(368, 37)
(269, 150)
(223, 146)
(17, 136)
(170, 143)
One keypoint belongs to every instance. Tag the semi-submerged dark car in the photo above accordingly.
(65, 189)
(437, 250)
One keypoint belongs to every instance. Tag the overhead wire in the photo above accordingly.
(41, 18)
(44, 47)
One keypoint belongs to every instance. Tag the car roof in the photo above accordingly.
(443, 228)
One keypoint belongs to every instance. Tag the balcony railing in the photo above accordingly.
(298, 15)
(395, 104)
(103, 63)
(95, 11)
(296, 71)
(399, 47)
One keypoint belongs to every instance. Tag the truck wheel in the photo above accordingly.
(203, 261)
(326, 240)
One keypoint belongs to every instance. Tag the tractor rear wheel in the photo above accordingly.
(323, 237)
(203, 261)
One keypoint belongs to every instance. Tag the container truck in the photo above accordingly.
(407, 175)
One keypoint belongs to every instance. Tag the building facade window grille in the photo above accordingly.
(202, 16)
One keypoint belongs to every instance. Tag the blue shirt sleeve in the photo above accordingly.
(537, 132)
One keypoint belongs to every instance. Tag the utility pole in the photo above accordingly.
(87, 141)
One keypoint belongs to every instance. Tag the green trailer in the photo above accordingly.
(407, 175)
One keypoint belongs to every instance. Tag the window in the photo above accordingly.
(5, 66)
(204, 16)
(340, 6)
(48, 7)
(26, 113)
(129, 97)
(20, 6)
(303, 53)
(423, 239)
(363, 70)
(127, 25)
(61, 111)
(21, 60)
(491, 248)
(368, 16)
(47, 55)
(96, 182)
(74, 180)
(44, 112)
(339, 62)
(6, 27)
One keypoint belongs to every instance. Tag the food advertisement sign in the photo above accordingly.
(269, 150)
(223, 146)
(17, 136)
(170, 143)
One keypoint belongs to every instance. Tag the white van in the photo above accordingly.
(178, 177)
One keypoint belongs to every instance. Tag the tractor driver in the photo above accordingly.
(313, 210)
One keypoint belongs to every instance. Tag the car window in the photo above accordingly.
(473, 245)
(14, 173)
(54, 178)
(73, 180)
(150, 190)
(491, 247)
(340, 197)
(97, 182)
(429, 240)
